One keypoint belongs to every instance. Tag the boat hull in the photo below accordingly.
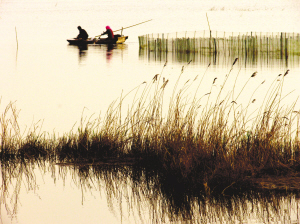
(118, 40)
(80, 41)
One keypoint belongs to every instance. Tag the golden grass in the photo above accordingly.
(209, 140)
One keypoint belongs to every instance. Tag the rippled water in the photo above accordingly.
(57, 84)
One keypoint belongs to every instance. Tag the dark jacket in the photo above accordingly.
(109, 33)
(82, 34)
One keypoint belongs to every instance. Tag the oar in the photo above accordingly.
(126, 27)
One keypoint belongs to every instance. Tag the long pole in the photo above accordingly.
(127, 27)
(132, 25)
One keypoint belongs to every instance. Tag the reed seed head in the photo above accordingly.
(164, 85)
(254, 74)
(155, 78)
(214, 80)
(287, 71)
(235, 61)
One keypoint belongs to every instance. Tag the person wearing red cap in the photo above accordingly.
(109, 32)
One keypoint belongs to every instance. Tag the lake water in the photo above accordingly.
(56, 84)
(47, 193)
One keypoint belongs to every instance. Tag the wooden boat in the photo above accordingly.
(119, 39)
(76, 41)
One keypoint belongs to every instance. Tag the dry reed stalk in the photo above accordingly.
(17, 38)
(213, 141)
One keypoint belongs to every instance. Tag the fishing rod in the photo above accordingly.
(126, 27)
(132, 25)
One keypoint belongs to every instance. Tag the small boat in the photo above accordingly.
(76, 41)
(119, 39)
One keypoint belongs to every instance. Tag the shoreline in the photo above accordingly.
(289, 181)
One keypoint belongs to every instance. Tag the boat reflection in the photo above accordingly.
(140, 193)
(111, 50)
(108, 49)
(82, 50)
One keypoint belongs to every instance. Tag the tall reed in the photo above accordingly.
(209, 140)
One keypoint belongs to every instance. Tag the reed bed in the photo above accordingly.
(242, 45)
(31, 144)
(207, 141)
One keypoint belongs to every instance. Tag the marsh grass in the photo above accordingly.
(207, 141)
(31, 144)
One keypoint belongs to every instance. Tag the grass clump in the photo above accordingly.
(208, 142)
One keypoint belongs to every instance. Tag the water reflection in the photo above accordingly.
(222, 59)
(148, 195)
(109, 52)
(82, 50)
(109, 49)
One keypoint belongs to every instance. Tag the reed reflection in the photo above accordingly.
(220, 59)
(218, 48)
(135, 191)
(19, 173)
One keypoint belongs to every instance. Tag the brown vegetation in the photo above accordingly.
(211, 146)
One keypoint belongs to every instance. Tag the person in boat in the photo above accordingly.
(82, 34)
(109, 32)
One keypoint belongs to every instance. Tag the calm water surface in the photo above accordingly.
(54, 84)
(47, 193)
